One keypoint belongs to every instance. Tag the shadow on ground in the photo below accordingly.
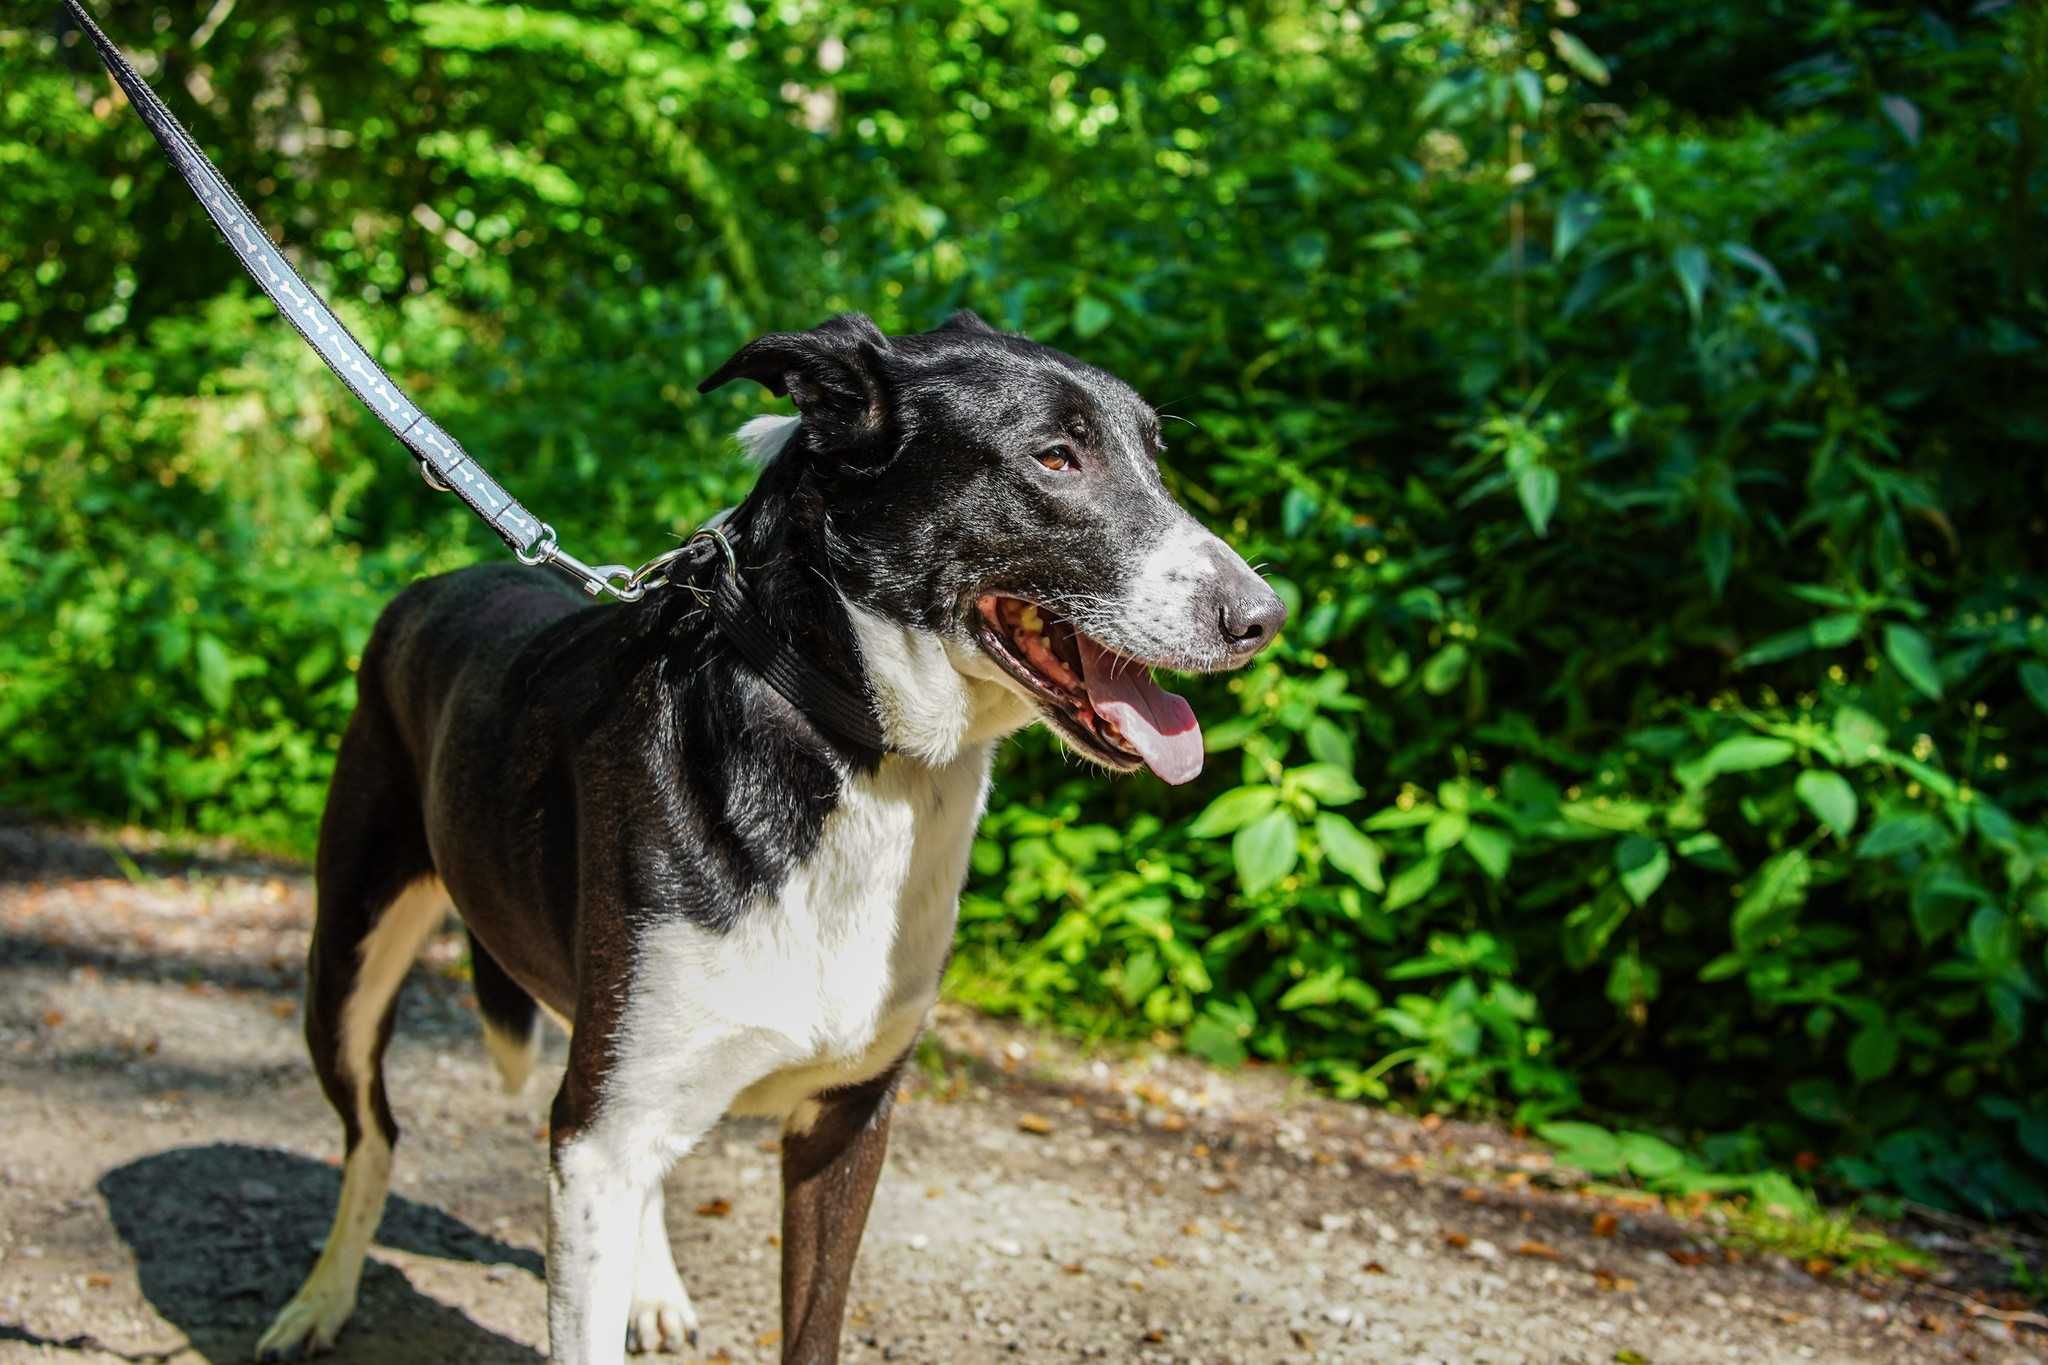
(222, 1234)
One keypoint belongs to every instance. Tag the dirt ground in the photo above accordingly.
(168, 1169)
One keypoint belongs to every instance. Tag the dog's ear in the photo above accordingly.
(833, 373)
(966, 320)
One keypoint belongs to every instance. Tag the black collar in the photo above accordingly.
(844, 712)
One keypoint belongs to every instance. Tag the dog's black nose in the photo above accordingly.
(1251, 618)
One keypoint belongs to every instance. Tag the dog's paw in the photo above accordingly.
(306, 1326)
(662, 1326)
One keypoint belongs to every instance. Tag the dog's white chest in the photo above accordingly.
(828, 980)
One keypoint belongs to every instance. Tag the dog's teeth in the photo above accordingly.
(1031, 621)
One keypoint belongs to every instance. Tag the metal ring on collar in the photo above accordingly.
(653, 573)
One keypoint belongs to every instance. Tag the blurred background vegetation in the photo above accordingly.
(1642, 403)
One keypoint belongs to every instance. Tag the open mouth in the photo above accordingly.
(1103, 703)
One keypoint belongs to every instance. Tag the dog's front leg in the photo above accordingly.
(598, 1188)
(832, 1154)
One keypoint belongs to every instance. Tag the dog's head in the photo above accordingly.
(1003, 499)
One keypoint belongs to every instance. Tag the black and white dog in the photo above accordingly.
(737, 908)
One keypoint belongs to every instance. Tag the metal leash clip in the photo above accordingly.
(622, 581)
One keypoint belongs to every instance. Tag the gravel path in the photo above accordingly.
(168, 1170)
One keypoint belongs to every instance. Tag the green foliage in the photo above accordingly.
(1641, 412)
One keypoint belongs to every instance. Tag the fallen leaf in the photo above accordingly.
(1163, 1262)
(1604, 1224)
(99, 1281)
(1073, 1268)
(1302, 1339)
(1933, 1322)
(769, 1337)
(284, 1009)
(1820, 1267)
(1627, 1357)
(1681, 1256)
(714, 1208)
(1457, 1239)
(1035, 1123)
(1374, 1268)
(1472, 1194)
(1541, 1250)
(1155, 1336)
(52, 1018)
(1613, 1283)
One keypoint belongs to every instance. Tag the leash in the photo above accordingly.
(844, 712)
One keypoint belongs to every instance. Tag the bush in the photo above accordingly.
(1645, 431)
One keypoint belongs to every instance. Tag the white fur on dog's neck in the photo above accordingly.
(763, 437)
(935, 698)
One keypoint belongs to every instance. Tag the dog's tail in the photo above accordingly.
(511, 1019)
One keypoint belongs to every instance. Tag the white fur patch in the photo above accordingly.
(764, 437)
(931, 709)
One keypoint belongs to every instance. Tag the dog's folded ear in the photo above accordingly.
(833, 373)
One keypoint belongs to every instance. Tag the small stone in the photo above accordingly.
(258, 1192)
(1483, 1250)
(1003, 1246)
(918, 1242)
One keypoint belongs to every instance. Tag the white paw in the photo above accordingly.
(307, 1325)
(663, 1319)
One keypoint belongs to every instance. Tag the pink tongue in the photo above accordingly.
(1159, 724)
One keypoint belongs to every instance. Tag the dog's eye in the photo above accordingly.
(1059, 458)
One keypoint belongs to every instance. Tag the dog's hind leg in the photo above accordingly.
(378, 902)
(511, 1019)
(662, 1318)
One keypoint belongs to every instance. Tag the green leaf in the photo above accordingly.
(1831, 799)
(1329, 784)
(1234, 810)
(1491, 848)
(1773, 898)
(1652, 1158)
(1631, 981)
(1873, 1052)
(1537, 488)
(1819, 1100)
(1328, 743)
(1265, 851)
(1890, 837)
(1414, 882)
(1445, 832)
(1860, 734)
(1903, 115)
(1575, 218)
(1586, 930)
(1323, 988)
(2034, 677)
(1214, 1041)
(1578, 56)
(1707, 850)
(1350, 851)
(212, 672)
(1091, 315)
(1443, 670)
(1642, 864)
(1587, 1146)
(1693, 269)
(1741, 754)
(1913, 656)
